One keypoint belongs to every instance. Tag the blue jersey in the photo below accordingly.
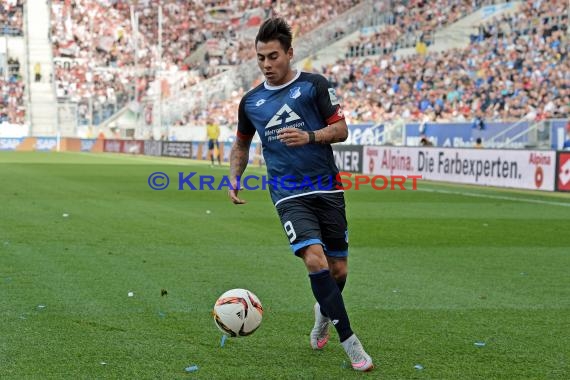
(308, 103)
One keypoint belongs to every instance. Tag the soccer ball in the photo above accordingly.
(238, 312)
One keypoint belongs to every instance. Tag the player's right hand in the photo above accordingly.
(233, 194)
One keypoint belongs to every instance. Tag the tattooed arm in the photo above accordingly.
(336, 132)
(239, 157)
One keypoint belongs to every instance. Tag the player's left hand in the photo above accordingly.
(293, 137)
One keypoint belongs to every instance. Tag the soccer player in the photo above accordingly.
(213, 132)
(297, 116)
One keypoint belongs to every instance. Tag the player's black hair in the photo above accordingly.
(275, 28)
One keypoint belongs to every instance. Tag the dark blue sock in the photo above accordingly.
(340, 284)
(328, 296)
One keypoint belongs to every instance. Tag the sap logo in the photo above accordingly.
(10, 143)
(295, 92)
(87, 145)
(259, 102)
(46, 144)
(285, 113)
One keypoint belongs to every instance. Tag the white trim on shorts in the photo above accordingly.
(309, 193)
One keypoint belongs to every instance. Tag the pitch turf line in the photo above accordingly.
(498, 197)
(143, 160)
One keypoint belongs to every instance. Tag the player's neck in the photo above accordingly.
(291, 74)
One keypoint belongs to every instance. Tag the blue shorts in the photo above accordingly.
(213, 142)
(316, 219)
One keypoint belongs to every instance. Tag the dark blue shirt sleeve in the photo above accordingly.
(245, 129)
(327, 101)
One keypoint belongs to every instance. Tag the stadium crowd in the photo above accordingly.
(515, 66)
(520, 72)
(12, 109)
(409, 22)
(11, 17)
(99, 55)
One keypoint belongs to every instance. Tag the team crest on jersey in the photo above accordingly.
(259, 102)
(332, 97)
(295, 92)
(284, 115)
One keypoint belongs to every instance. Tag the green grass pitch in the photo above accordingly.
(433, 272)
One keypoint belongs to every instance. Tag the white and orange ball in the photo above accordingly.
(238, 312)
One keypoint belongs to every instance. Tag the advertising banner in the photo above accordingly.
(133, 146)
(456, 135)
(45, 144)
(87, 144)
(348, 158)
(153, 148)
(205, 151)
(113, 146)
(520, 169)
(559, 133)
(177, 149)
(10, 143)
(226, 148)
(563, 172)
(462, 135)
(365, 134)
(196, 149)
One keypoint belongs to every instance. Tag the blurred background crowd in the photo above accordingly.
(515, 66)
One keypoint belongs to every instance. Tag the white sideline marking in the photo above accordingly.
(502, 197)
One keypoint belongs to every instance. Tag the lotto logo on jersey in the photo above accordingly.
(284, 115)
(564, 172)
